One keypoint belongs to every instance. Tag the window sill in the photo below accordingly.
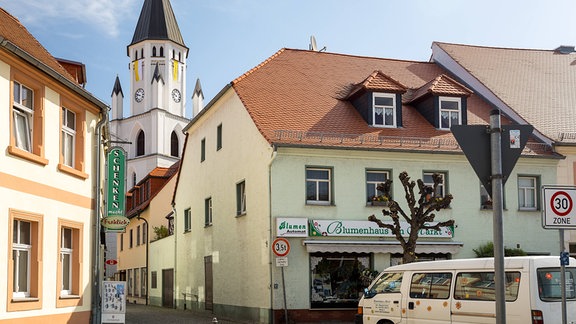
(318, 203)
(13, 150)
(77, 173)
(187, 231)
(241, 214)
(25, 299)
(69, 296)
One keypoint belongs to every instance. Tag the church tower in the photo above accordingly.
(152, 134)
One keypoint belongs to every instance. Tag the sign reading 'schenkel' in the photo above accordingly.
(115, 220)
(116, 199)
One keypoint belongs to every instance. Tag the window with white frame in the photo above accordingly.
(21, 252)
(318, 183)
(23, 114)
(66, 259)
(428, 180)
(450, 112)
(384, 109)
(241, 198)
(187, 220)
(208, 212)
(373, 179)
(68, 136)
(527, 194)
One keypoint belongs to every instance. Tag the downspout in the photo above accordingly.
(271, 226)
(175, 256)
(96, 314)
(147, 240)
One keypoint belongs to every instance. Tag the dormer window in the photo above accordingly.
(384, 110)
(450, 112)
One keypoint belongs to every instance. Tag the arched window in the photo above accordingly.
(179, 56)
(173, 54)
(135, 55)
(140, 141)
(174, 144)
(161, 51)
(142, 53)
(154, 51)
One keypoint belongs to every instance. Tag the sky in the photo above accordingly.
(226, 38)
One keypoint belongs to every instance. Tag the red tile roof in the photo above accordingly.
(13, 31)
(539, 85)
(298, 97)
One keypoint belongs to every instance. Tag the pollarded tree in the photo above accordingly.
(421, 212)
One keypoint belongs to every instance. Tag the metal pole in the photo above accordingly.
(497, 209)
(563, 277)
(284, 292)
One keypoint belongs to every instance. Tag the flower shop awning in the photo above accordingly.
(424, 247)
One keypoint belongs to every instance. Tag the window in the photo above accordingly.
(389, 283)
(154, 51)
(384, 110)
(133, 179)
(338, 279)
(21, 251)
(549, 284)
(23, 113)
(428, 180)
(203, 150)
(145, 233)
(69, 271)
(174, 144)
(450, 112)
(430, 285)
(373, 180)
(144, 281)
(154, 280)
(187, 220)
(481, 286)
(161, 51)
(137, 235)
(27, 118)
(121, 241)
(208, 212)
(25, 277)
(68, 136)
(131, 238)
(219, 137)
(527, 195)
(241, 198)
(129, 283)
(318, 186)
(140, 141)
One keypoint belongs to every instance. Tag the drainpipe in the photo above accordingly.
(96, 311)
(147, 240)
(271, 226)
(175, 255)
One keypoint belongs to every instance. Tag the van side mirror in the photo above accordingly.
(369, 293)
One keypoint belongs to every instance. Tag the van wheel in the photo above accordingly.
(385, 322)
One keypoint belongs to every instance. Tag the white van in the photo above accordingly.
(462, 291)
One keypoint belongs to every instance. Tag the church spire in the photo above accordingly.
(157, 22)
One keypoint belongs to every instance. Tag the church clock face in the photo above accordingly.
(139, 95)
(176, 96)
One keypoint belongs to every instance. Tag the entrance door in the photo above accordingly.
(168, 288)
(208, 283)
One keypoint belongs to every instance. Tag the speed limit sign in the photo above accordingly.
(281, 247)
(558, 207)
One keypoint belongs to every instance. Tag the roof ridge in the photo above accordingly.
(257, 67)
(494, 47)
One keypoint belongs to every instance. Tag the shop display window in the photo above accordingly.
(338, 279)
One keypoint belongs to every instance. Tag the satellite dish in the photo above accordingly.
(313, 46)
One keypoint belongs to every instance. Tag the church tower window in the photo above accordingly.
(154, 51)
(140, 141)
(174, 144)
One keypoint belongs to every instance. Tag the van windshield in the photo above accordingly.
(387, 283)
(549, 284)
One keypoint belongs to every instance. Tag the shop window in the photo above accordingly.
(338, 279)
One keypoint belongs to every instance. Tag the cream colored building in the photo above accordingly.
(294, 148)
(48, 177)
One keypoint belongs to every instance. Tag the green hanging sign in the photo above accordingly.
(116, 200)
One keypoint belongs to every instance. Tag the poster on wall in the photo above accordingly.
(114, 302)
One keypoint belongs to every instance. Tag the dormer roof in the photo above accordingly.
(380, 82)
(442, 85)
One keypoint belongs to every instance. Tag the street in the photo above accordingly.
(142, 314)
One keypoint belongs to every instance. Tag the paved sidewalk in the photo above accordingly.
(142, 314)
